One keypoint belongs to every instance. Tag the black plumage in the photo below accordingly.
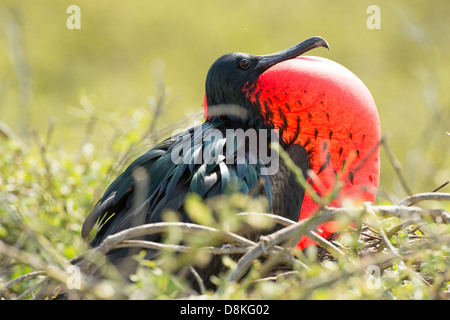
(163, 177)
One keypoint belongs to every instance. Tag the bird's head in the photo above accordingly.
(233, 75)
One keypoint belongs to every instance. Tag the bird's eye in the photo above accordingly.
(244, 64)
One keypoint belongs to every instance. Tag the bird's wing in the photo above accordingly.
(197, 160)
(120, 189)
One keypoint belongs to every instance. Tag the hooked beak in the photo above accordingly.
(267, 61)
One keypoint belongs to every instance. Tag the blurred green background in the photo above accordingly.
(116, 64)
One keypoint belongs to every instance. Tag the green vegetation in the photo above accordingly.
(81, 104)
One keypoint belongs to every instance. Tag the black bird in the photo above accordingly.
(175, 167)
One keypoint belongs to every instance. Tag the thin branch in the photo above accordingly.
(199, 280)
(118, 239)
(331, 248)
(380, 231)
(22, 278)
(7, 132)
(144, 244)
(436, 196)
(34, 261)
(275, 218)
(161, 227)
(277, 277)
(441, 186)
(397, 167)
(267, 242)
(438, 215)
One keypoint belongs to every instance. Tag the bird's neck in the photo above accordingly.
(243, 112)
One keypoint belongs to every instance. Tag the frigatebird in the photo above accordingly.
(173, 170)
(243, 93)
